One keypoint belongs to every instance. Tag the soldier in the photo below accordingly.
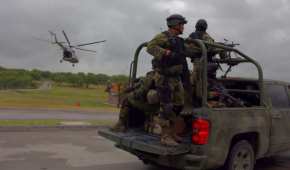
(200, 31)
(169, 63)
(141, 97)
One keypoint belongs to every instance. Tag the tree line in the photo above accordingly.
(21, 78)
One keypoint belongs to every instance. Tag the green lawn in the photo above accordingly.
(58, 98)
(48, 122)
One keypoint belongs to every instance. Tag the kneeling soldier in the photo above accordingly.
(142, 97)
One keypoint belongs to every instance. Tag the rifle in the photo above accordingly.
(231, 44)
(178, 54)
(226, 57)
(225, 97)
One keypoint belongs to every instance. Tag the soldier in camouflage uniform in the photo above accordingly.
(169, 64)
(199, 33)
(141, 97)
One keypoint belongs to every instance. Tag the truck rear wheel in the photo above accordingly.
(241, 157)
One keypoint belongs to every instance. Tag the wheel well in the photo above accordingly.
(251, 137)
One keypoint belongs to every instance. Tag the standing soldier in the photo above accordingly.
(200, 31)
(201, 34)
(169, 64)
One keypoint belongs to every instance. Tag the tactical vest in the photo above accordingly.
(201, 36)
(171, 65)
(197, 35)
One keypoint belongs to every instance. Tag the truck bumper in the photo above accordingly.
(148, 149)
(194, 162)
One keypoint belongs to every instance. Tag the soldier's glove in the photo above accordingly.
(167, 52)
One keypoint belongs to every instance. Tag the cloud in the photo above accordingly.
(254, 2)
(171, 6)
(261, 27)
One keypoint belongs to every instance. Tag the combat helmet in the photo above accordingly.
(175, 19)
(201, 25)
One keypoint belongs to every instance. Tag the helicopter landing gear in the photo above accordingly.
(60, 61)
(73, 65)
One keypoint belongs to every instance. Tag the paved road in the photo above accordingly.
(10, 113)
(79, 150)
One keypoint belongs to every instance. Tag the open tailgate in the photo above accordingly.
(141, 141)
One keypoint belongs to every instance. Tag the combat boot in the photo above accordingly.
(120, 126)
(177, 128)
(166, 134)
(177, 138)
(167, 140)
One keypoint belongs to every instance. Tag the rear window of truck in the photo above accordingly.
(278, 96)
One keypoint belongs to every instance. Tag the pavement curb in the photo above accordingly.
(46, 128)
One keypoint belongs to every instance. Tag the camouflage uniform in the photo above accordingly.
(200, 33)
(192, 49)
(167, 71)
(136, 98)
(167, 78)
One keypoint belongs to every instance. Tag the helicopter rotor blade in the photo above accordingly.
(65, 36)
(42, 39)
(53, 35)
(96, 42)
(92, 51)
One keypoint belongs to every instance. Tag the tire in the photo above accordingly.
(241, 157)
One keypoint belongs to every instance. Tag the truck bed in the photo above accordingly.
(138, 140)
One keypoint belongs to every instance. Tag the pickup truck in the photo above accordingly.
(231, 138)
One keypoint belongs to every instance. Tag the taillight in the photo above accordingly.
(200, 128)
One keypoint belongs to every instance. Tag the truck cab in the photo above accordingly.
(231, 136)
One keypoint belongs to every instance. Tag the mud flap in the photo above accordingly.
(141, 141)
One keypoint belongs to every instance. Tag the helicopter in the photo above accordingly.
(69, 51)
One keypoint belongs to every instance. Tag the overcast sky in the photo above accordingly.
(262, 28)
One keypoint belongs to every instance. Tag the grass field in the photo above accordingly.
(52, 122)
(58, 98)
